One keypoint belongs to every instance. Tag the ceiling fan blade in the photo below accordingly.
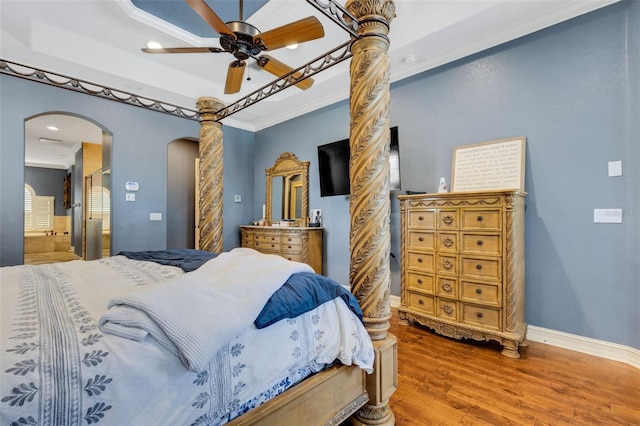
(279, 69)
(295, 32)
(184, 50)
(234, 77)
(210, 17)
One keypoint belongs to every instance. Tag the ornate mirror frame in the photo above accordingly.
(288, 165)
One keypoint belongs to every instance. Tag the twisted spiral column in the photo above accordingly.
(210, 179)
(369, 204)
(510, 278)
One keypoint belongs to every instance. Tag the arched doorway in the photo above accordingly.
(61, 149)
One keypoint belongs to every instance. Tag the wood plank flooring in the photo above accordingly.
(442, 381)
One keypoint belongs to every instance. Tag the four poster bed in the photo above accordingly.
(64, 353)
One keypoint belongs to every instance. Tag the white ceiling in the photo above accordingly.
(100, 41)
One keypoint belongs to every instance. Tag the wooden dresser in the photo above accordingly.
(463, 265)
(294, 243)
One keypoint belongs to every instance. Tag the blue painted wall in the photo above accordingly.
(573, 90)
(139, 153)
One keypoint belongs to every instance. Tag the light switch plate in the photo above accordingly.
(131, 196)
(607, 215)
(615, 168)
(155, 216)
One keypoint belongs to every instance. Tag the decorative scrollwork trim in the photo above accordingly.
(348, 410)
(93, 89)
(338, 14)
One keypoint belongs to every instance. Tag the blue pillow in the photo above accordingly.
(301, 293)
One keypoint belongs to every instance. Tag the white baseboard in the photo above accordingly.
(612, 351)
(573, 342)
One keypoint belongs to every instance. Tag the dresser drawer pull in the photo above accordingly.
(420, 218)
(421, 239)
(446, 286)
(289, 247)
(479, 242)
(419, 260)
(419, 280)
(448, 309)
(273, 245)
(479, 218)
(478, 291)
(478, 267)
(479, 314)
(288, 239)
(448, 219)
(420, 302)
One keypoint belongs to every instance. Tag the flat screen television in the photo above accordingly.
(333, 165)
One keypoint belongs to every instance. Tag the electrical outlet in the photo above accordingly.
(237, 198)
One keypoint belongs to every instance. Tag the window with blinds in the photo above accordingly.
(38, 211)
(99, 205)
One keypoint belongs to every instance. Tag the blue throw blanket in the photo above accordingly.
(301, 293)
(187, 259)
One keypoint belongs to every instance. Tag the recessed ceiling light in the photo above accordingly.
(292, 46)
(154, 45)
(54, 128)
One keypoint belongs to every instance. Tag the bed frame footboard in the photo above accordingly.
(326, 398)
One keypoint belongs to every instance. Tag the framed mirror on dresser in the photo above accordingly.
(285, 231)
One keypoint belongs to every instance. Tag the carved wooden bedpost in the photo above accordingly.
(210, 179)
(370, 239)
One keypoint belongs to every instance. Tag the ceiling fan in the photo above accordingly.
(245, 41)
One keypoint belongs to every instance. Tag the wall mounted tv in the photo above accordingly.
(333, 165)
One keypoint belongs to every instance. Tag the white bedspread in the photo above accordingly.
(58, 368)
(195, 315)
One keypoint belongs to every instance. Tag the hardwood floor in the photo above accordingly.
(442, 381)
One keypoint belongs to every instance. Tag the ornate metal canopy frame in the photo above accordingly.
(330, 8)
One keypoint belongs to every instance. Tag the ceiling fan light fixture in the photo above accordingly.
(154, 45)
(244, 41)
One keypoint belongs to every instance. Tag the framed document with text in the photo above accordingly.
(489, 165)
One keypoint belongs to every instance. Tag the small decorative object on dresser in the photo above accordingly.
(300, 244)
(463, 265)
(316, 218)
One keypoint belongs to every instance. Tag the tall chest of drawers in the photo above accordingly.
(463, 265)
(301, 244)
